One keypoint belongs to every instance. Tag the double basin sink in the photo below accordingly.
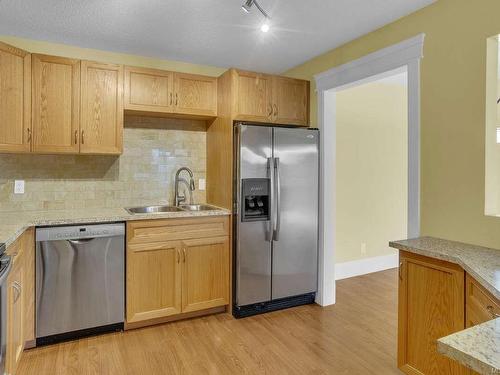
(164, 209)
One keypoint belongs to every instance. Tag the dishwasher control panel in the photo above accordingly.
(76, 232)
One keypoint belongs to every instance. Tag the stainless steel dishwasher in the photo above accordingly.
(80, 281)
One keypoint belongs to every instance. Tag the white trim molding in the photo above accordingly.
(406, 54)
(366, 266)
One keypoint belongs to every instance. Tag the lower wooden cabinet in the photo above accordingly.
(431, 306)
(205, 273)
(176, 266)
(153, 281)
(480, 305)
(20, 299)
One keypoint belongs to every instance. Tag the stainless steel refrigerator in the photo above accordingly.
(276, 217)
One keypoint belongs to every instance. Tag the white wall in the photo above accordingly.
(371, 169)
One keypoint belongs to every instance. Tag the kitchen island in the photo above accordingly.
(444, 288)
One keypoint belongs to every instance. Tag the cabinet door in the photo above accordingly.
(205, 273)
(253, 100)
(290, 101)
(56, 104)
(153, 280)
(148, 90)
(15, 334)
(15, 99)
(195, 95)
(431, 306)
(101, 108)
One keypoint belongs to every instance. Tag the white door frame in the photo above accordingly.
(407, 53)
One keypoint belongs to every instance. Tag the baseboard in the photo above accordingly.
(365, 266)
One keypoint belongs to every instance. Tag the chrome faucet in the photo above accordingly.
(190, 186)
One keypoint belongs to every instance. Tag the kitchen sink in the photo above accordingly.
(198, 207)
(153, 209)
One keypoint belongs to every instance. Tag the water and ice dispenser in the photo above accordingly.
(255, 200)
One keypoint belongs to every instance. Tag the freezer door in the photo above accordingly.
(295, 248)
(253, 248)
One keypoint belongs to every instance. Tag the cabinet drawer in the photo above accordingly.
(481, 306)
(149, 231)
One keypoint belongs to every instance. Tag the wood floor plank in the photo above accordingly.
(356, 336)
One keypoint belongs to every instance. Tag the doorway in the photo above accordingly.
(403, 57)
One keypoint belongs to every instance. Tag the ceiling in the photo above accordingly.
(209, 32)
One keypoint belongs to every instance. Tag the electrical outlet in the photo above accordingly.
(202, 185)
(19, 187)
(363, 248)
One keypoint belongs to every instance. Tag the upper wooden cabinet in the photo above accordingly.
(195, 94)
(148, 90)
(152, 91)
(273, 99)
(290, 101)
(253, 96)
(431, 306)
(56, 104)
(101, 126)
(15, 99)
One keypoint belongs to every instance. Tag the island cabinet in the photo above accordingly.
(158, 92)
(480, 305)
(20, 300)
(176, 266)
(15, 99)
(431, 306)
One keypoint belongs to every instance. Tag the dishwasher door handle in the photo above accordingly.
(81, 241)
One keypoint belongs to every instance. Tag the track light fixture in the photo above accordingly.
(247, 6)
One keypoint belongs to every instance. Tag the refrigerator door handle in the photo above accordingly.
(270, 171)
(277, 224)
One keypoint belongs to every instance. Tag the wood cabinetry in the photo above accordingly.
(273, 99)
(156, 92)
(148, 90)
(176, 266)
(15, 99)
(205, 273)
(290, 101)
(20, 299)
(195, 95)
(253, 96)
(55, 104)
(101, 127)
(153, 280)
(431, 306)
(480, 305)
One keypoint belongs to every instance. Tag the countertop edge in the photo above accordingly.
(467, 359)
(125, 217)
(449, 258)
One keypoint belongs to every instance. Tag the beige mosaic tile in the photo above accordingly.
(154, 148)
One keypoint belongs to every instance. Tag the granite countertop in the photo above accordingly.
(477, 347)
(13, 224)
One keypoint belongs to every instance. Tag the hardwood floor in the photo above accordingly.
(356, 336)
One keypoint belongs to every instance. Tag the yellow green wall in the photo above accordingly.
(64, 50)
(452, 110)
(371, 169)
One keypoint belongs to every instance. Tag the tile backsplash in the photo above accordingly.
(154, 148)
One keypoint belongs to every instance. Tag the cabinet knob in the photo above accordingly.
(176, 99)
(29, 135)
(76, 137)
(83, 137)
(491, 310)
(184, 253)
(401, 271)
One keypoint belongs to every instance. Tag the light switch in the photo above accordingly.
(202, 185)
(19, 187)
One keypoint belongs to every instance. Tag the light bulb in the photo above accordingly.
(265, 27)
